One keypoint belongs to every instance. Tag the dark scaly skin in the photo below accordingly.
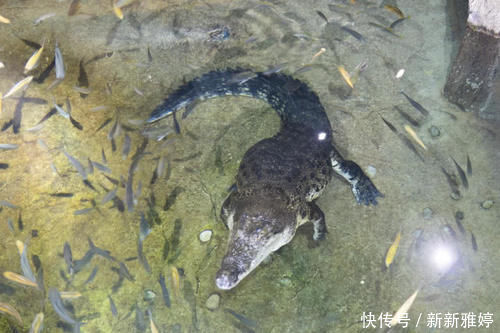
(279, 177)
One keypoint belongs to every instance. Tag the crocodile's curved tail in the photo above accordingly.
(297, 105)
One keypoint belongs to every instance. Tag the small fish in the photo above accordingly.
(82, 90)
(353, 33)
(345, 76)
(58, 305)
(99, 108)
(275, 69)
(164, 290)
(60, 71)
(473, 240)
(61, 111)
(45, 74)
(459, 216)
(415, 104)
(90, 169)
(18, 86)
(109, 196)
(114, 310)
(410, 145)
(152, 325)
(8, 146)
(37, 324)
(461, 173)
(91, 276)
(83, 211)
(5, 203)
(391, 252)
(407, 117)
(170, 201)
(61, 194)
(176, 281)
(322, 16)
(6, 125)
(18, 115)
(19, 279)
(414, 136)
(391, 126)
(33, 45)
(117, 11)
(150, 57)
(104, 124)
(78, 166)
(395, 10)
(452, 181)
(3, 19)
(403, 310)
(243, 319)
(177, 127)
(388, 29)
(126, 146)
(20, 224)
(73, 7)
(70, 294)
(43, 18)
(4, 166)
(34, 60)
(7, 309)
(125, 272)
(75, 123)
(469, 166)
(68, 258)
(320, 52)
(138, 92)
(396, 22)
(83, 80)
(115, 130)
(140, 322)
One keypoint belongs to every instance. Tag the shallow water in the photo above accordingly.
(306, 287)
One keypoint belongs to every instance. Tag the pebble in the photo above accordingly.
(213, 301)
(205, 235)
(371, 171)
(459, 215)
(435, 132)
(149, 295)
(455, 195)
(427, 213)
(487, 204)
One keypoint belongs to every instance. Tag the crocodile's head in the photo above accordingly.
(258, 228)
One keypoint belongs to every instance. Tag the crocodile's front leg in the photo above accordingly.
(362, 187)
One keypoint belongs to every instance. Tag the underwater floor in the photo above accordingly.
(115, 71)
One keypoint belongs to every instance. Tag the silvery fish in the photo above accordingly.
(78, 166)
(57, 304)
(60, 72)
(18, 86)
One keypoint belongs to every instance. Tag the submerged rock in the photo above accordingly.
(435, 132)
(487, 204)
(205, 235)
(213, 301)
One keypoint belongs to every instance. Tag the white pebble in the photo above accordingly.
(205, 235)
(2, 65)
(371, 171)
(213, 301)
(400, 73)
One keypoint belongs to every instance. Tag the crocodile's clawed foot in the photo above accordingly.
(365, 192)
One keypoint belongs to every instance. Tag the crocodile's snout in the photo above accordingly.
(226, 279)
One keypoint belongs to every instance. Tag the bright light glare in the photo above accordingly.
(321, 136)
(444, 257)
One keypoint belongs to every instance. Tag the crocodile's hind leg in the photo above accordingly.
(317, 217)
(362, 187)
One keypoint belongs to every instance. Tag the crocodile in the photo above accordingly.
(279, 178)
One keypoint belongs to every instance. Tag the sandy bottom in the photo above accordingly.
(134, 63)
